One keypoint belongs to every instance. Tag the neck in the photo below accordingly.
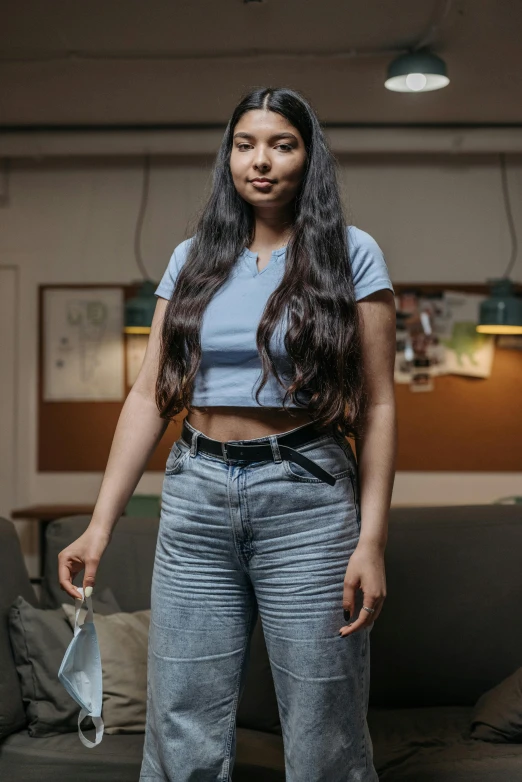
(273, 230)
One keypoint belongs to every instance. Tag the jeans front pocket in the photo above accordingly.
(326, 453)
(177, 457)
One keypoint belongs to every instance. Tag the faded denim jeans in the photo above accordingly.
(237, 539)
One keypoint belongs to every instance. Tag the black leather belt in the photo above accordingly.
(287, 442)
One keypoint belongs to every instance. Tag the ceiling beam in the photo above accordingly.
(205, 141)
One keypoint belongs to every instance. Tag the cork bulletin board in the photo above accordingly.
(76, 436)
(465, 425)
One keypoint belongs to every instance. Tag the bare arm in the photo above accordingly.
(137, 434)
(376, 451)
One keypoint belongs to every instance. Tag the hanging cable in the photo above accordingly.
(427, 38)
(509, 215)
(141, 218)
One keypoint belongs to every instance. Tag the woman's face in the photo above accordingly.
(266, 145)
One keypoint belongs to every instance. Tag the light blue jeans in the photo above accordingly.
(236, 539)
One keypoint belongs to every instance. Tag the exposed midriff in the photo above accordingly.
(245, 423)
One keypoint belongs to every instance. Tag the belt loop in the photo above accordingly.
(194, 444)
(224, 452)
(275, 448)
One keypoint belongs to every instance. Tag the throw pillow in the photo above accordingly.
(497, 715)
(123, 641)
(39, 638)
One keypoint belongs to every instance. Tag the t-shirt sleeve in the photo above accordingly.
(369, 269)
(168, 281)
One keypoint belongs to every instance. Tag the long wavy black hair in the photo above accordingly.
(316, 293)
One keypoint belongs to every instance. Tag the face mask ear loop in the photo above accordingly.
(89, 616)
(78, 602)
(97, 721)
(98, 724)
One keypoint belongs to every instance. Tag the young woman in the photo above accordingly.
(275, 329)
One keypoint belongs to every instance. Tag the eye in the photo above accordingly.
(243, 145)
(288, 146)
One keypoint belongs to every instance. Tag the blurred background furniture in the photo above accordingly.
(447, 634)
(144, 505)
(43, 515)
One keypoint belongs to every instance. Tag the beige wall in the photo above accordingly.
(437, 218)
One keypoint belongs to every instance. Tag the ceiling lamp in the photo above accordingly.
(501, 313)
(420, 71)
(139, 310)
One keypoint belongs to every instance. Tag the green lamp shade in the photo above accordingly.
(139, 310)
(420, 71)
(501, 313)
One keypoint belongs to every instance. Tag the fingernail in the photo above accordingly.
(346, 614)
(88, 591)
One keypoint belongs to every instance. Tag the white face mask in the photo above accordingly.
(81, 671)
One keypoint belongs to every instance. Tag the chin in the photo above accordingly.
(262, 198)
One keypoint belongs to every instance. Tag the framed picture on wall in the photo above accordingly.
(83, 344)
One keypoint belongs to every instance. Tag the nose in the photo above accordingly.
(261, 160)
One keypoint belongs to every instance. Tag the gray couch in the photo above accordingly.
(450, 630)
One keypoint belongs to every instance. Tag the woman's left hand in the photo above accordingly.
(365, 571)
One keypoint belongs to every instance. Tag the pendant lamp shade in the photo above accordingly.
(420, 71)
(501, 313)
(139, 310)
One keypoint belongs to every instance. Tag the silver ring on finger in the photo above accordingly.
(370, 610)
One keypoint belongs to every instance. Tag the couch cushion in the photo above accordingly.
(446, 633)
(497, 715)
(123, 642)
(65, 757)
(14, 581)
(126, 565)
(435, 745)
(259, 758)
(39, 639)
(258, 708)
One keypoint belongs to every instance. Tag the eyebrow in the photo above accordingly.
(284, 134)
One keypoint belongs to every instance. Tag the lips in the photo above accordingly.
(263, 181)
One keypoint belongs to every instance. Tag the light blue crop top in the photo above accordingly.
(230, 363)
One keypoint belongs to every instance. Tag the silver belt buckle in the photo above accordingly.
(224, 451)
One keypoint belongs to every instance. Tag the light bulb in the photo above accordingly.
(416, 81)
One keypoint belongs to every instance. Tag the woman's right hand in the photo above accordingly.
(83, 553)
